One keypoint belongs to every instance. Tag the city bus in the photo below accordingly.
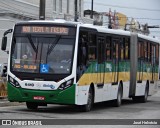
(63, 62)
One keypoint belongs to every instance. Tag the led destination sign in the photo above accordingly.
(44, 29)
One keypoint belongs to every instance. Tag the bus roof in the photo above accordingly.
(57, 21)
(106, 30)
(119, 32)
(98, 28)
(149, 38)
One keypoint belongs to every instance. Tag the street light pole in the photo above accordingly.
(92, 9)
(76, 15)
(42, 9)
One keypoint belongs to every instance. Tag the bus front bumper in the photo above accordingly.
(66, 96)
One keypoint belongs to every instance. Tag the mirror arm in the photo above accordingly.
(8, 31)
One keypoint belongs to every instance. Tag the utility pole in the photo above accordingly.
(92, 9)
(110, 22)
(42, 9)
(76, 15)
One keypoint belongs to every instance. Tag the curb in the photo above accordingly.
(2, 97)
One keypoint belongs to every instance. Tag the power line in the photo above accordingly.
(135, 8)
(141, 18)
(154, 31)
(145, 18)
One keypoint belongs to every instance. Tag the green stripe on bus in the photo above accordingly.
(66, 96)
(124, 66)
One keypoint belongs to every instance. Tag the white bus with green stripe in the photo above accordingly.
(61, 62)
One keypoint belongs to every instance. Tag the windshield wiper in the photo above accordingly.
(31, 42)
(53, 45)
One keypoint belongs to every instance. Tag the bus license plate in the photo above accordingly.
(39, 98)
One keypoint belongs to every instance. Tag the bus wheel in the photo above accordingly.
(135, 99)
(118, 101)
(31, 105)
(89, 105)
(143, 99)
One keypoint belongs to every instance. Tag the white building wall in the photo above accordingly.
(12, 11)
(31, 8)
(50, 9)
(20, 7)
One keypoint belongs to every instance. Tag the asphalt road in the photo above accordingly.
(103, 111)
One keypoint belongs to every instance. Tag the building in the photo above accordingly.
(12, 11)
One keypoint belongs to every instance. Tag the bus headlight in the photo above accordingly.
(13, 82)
(66, 84)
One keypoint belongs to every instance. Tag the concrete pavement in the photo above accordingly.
(4, 102)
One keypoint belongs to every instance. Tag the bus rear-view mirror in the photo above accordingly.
(4, 43)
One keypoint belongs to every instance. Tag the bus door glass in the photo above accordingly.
(101, 62)
(153, 62)
(115, 61)
(140, 61)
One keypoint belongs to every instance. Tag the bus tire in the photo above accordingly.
(90, 100)
(142, 99)
(135, 99)
(31, 105)
(118, 101)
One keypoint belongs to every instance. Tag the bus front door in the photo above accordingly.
(100, 68)
(153, 63)
(140, 62)
(153, 83)
(101, 62)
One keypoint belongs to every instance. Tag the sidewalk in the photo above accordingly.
(4, 102)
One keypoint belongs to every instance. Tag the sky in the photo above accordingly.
(144, 11)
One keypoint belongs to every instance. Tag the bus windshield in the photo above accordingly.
(42, 54)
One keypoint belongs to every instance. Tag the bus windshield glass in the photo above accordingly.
(46, 52)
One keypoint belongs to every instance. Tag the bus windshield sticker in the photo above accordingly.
(17, 66)
(17, 61)
(44, 68)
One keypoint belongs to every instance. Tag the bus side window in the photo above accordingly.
(127, 49)
(157, 54)
(92, 47)
(149, 51)
(83, 48)
(82, 55)
(140, 50)
(108, 48)
(145, 51)
(153, 52)
(122, 49)
(101, 50)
